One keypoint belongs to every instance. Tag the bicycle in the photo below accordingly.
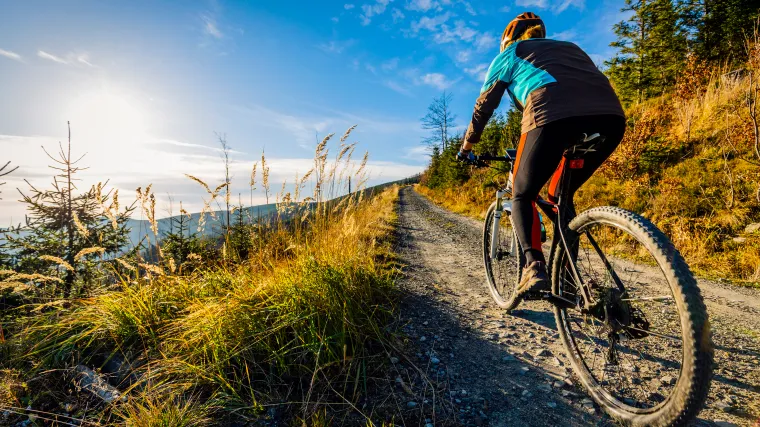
(638, 372)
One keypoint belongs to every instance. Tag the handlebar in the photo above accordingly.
(480, 161)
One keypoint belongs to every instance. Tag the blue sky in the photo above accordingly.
(146, 84)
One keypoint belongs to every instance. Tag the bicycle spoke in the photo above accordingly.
(661, 298)
(657, 334)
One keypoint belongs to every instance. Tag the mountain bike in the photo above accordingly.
(627, 308)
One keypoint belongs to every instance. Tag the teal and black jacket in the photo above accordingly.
(548, 80)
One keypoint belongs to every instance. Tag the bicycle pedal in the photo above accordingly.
(536, 295)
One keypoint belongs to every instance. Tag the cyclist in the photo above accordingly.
(562, 95)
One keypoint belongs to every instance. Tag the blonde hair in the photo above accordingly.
(534, 32)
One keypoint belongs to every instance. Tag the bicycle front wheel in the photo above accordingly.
(502, 267)
(642, 345)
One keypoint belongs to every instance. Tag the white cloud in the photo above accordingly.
(505, 9)
(370, 10)
(397, 15)
(51, 57)
(463, 56)
(10, 55)
(460, 31)
(70, 58)
(556, 7)
(541, 4)
(335, 19)
(84, 58)
(390, 64)
(210, 26)
(421, 5)
(396, 87)
(486, 41)
(468, 7)
(430, 24)
(564, 35)
(437, 80)
(417, 152)
(348, 6)
(478, 72)
(579, 4)
(336, 46)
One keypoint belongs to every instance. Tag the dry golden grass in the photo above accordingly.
(313, 296)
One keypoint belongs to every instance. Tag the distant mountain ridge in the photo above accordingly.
(139, 228)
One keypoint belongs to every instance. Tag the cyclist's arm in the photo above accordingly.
(488, 101)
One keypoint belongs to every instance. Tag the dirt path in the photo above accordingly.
(503, 370)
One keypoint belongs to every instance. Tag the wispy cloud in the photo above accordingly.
(336, 46)
(49, 56)
(10, 55)
(430, 23)
(373, 9)
(478, 72)
(390, 64)
(71, 58)
(422, 5)
(417, 152)
(564, 35)
(579, 4)
(437, 80)
(460, 32)
(398, 88)
(556, 7)
(541, 4)
(397, 15)
(210, 26)
(348, 6)
(84, 58)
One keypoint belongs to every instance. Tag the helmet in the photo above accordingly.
(517, 27)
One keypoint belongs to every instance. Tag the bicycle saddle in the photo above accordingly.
(586, 143)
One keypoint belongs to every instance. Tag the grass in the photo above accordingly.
(304, 312)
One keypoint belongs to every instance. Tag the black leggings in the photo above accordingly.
(539, 156)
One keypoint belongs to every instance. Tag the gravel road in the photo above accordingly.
(469, 363)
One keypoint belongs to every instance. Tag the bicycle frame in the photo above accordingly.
(558, 213)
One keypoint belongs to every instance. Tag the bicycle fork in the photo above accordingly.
(498, 212)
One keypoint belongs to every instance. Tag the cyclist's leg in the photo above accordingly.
(538, 155)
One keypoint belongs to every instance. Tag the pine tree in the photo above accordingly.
(180, 242)
(652, 46)
(722, 27)
(66, 234)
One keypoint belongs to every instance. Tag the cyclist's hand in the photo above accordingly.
(466, 157)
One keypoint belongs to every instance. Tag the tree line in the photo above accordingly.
(662, 37)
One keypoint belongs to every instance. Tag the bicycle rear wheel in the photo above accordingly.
(642, 348)
(502, 271)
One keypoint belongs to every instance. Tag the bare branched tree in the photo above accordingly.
(439, 120)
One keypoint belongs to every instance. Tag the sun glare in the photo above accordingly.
(109, 115)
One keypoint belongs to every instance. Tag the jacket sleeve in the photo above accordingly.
(487, 103)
